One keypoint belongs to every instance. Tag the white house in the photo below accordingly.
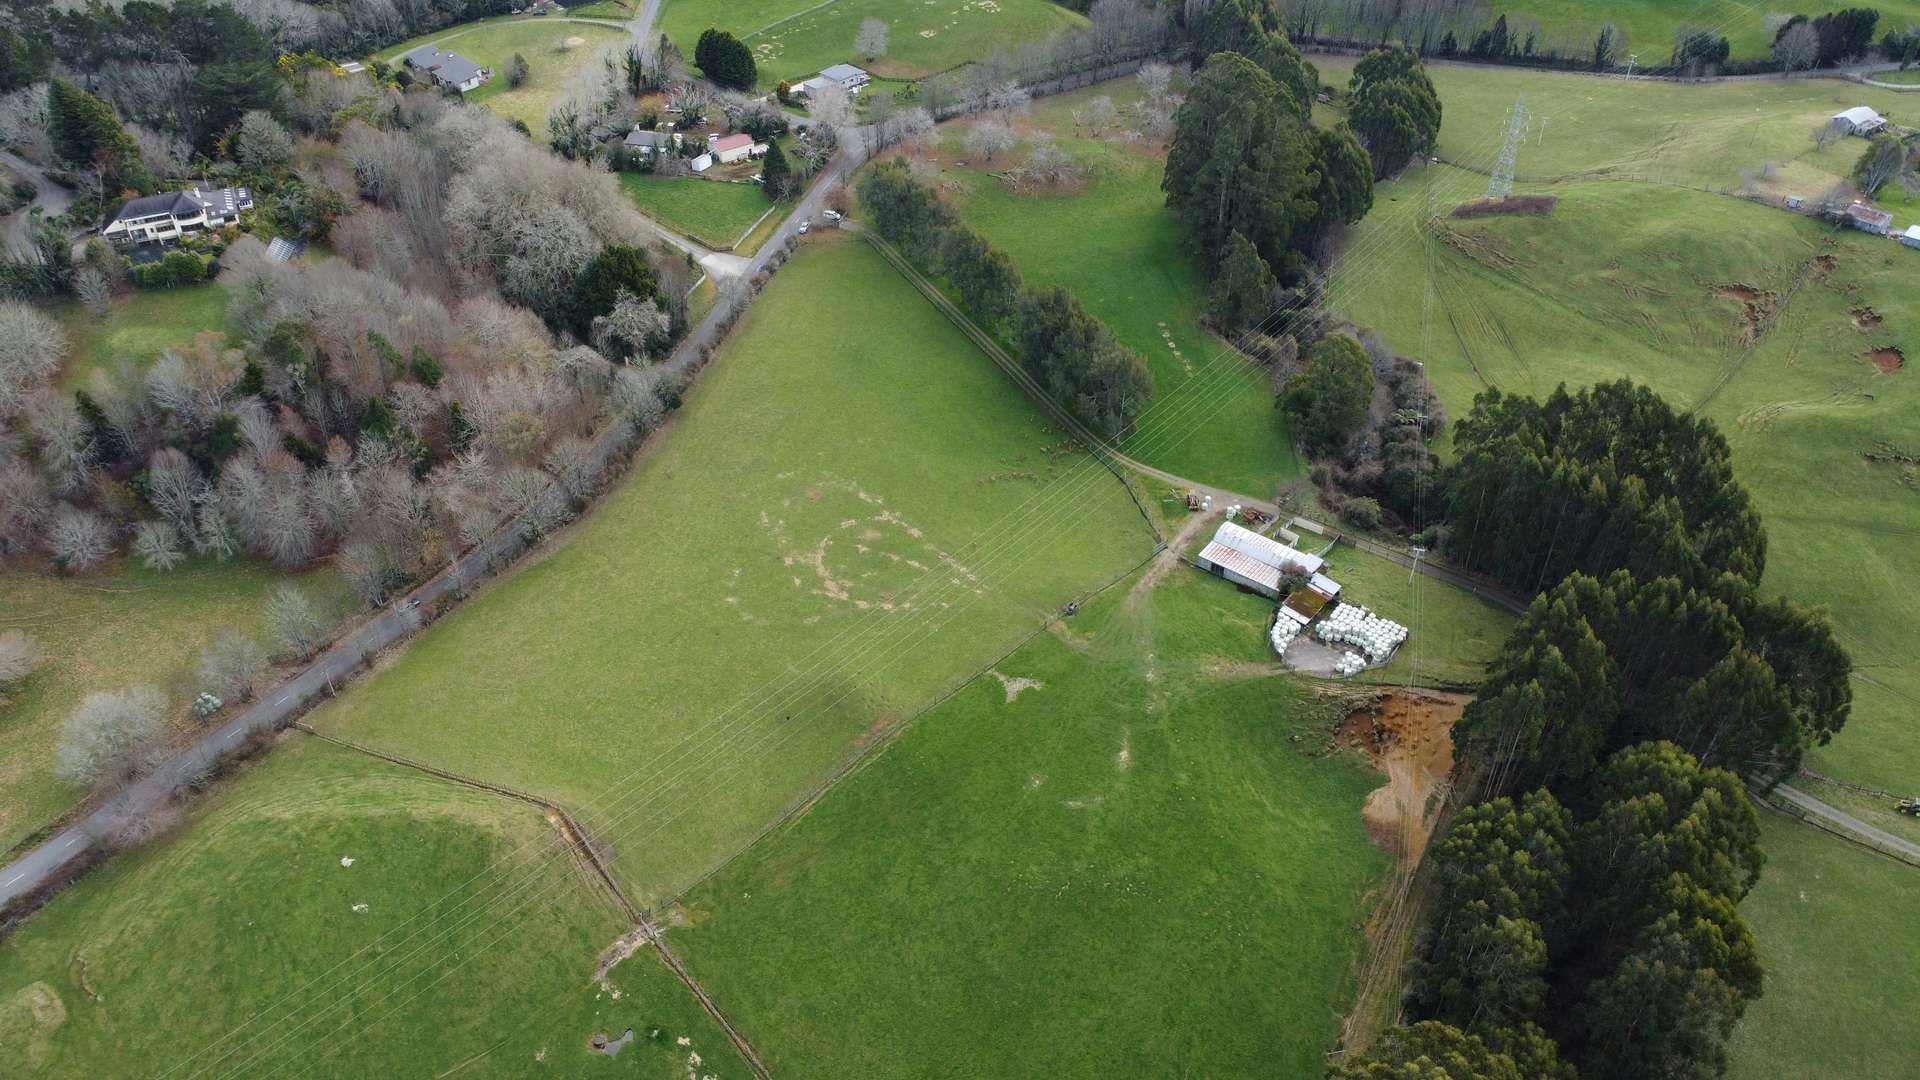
(1859, 120)
(173, 214)
(1246, 558)
(847, 76)
(727, 149)
(1911, 237)
(702, 163)
(446, 69)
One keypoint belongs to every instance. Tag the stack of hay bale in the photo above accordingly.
(1350, 624)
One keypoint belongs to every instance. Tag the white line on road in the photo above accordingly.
(71, 840)
(14, 878)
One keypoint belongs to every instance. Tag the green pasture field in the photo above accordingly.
(1704, 135)
(1837, 938)
(1648, 26)
(1143, 865)
(709, 212)
(104, 631)
(794, 39)
(1651, 283)
(605, 9)
(1452, 634)
(1112, 243)
(821, 545)
(138, 327)
(544, 42)
(233, 946)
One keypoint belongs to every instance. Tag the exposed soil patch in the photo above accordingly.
(1756, 304)
(1888, 360)
(1865, 317)
(1824, 263)
(1174, 555)
(623, 946)
(1016, 686)
(1510, 206)
(1409, 735)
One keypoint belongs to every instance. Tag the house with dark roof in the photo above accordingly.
(1867, 219)
(650, 142)
(171, 215)
(446, 69)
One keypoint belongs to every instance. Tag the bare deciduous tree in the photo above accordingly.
(828, 106)
(1156, 79)
(295, 620)
(1100, 114)
(111, 736)
(231, 665)
(31, 347)
(990, 136)
(65, 440)
(19, 656)
(93, 289)
(157, 543)
(634, 327)
(263, 144)
(78, 538)
(25, 507)
(1797, 49)
(871, 39)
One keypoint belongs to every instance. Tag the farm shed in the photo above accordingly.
(1246, 558)
(728, 149)
(1859, 120)
(1911, 237)
(1867, 219)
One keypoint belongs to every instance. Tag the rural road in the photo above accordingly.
(1847, 822)
(281, 703)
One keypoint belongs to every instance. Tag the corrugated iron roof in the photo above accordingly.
(1241, 563)
(1271, 552)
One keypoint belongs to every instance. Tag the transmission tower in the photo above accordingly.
(1500, 185)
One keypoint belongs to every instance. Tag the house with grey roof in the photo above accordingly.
(650, 143)
(446, 69)
(173, 214)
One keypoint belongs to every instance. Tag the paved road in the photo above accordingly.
(51, 198)
(334, 666)
(1843, 820)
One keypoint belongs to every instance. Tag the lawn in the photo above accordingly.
(842, 524)
(1141, 865)
(708, 212)
(1113, 244)
(104, 631)
(139, 327)
(554, 51)
(242, 945)
(1451, 634)
(1837, 938)
(793, 39)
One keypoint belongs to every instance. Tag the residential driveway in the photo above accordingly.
(51, 198)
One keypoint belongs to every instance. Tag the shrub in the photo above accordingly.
(1361, 513)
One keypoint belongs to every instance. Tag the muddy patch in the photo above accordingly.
(1409, 736)
(1015, 686)
(1824, 263)
(1866, 318)
(1887, 360)
(1755, 305)
(28, 1020)
(623, 947)
(1510, 206)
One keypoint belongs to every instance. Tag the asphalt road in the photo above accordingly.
(51, 198)
(1843, 820)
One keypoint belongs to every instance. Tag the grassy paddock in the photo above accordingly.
(104, 631)
(792, 39)
(237, 945)
(1113, 244)
(1452, 634)
(741, 612)
(707, 211)
(554, 50)
(1836, 936)
(1131, 868)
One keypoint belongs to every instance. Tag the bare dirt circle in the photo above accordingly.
(574, 42)
(1888, 360)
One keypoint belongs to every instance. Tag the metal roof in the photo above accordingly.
(730, 142)
(1243, 564)
(843, 73)
(1324, 585)
(1858, 115)
(643, 137)
(1271, 552)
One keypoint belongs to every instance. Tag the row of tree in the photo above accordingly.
(1597, 930)
(1075, 357)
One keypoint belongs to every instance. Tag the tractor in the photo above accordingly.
(1910, 807)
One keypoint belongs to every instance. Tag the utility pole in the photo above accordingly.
(1632, 58)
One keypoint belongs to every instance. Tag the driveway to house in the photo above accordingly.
(49, 197)
(1847, 822)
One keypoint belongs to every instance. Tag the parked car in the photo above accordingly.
(804, 226)
(832, 215)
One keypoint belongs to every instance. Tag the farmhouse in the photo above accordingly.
(1250, 560)
(1911, 237)
(446, 69)
(727, 149)
(1867, 219)
(1859, 120)
(169, 216)
(846, 76)
(650, 142)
